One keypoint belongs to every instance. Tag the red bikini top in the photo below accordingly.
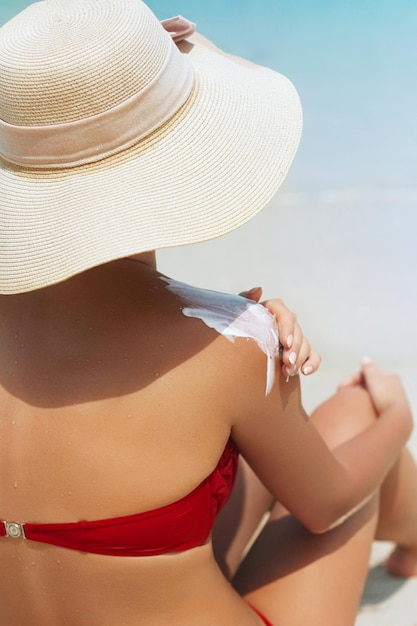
(175, 527)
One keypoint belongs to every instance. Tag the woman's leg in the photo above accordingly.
(397, 519)
(240, 519)
(398, 515)
(295, 577)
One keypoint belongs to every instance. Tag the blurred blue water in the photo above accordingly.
(354, 64)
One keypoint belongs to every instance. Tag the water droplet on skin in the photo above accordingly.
(15, 486)
(16, 362)
(161, 345)
(33, 563)
(157, 374)
(16, 336)
(70, 493)
(58, 562)
(94, 482)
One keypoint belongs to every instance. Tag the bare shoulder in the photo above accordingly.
(265, 411)
(233, 317)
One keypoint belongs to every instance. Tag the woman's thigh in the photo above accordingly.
(295, 577)
(240, 520)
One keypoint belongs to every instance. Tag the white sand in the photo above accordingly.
(346, 262)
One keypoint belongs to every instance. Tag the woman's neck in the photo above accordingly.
(91, 285)
(147, 258)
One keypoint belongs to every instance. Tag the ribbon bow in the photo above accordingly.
(178, 27)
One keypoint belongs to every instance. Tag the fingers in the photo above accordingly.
(300, 358)
(351, 381)
(254, 294)
(364, 376)
(311, 363)
(385, 387)
(290, 335)
(297, 354)
(287, 322)
(358, 378)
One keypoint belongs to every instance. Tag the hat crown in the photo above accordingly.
(64, 60)
(114, 141)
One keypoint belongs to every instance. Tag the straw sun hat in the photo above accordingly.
(116, 140)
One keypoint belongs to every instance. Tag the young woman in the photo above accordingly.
(126, 396)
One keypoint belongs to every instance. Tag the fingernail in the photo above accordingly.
(249, 293)
(366, 360)
(307, 370)
(292, 358)
(290, 339)
(291, 371)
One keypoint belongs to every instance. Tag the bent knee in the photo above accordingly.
(344, 415)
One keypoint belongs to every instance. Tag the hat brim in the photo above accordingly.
(212, 167)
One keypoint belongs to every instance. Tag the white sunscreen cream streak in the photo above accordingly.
(232, 316)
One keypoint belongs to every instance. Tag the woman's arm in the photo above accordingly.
(389, 432)
(318, 486)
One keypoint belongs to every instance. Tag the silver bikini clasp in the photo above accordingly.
(14, 530)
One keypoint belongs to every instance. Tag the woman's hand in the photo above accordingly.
(385, 388)
(297, 353)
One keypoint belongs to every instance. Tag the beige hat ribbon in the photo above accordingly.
(96, 137)
(178, 27)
